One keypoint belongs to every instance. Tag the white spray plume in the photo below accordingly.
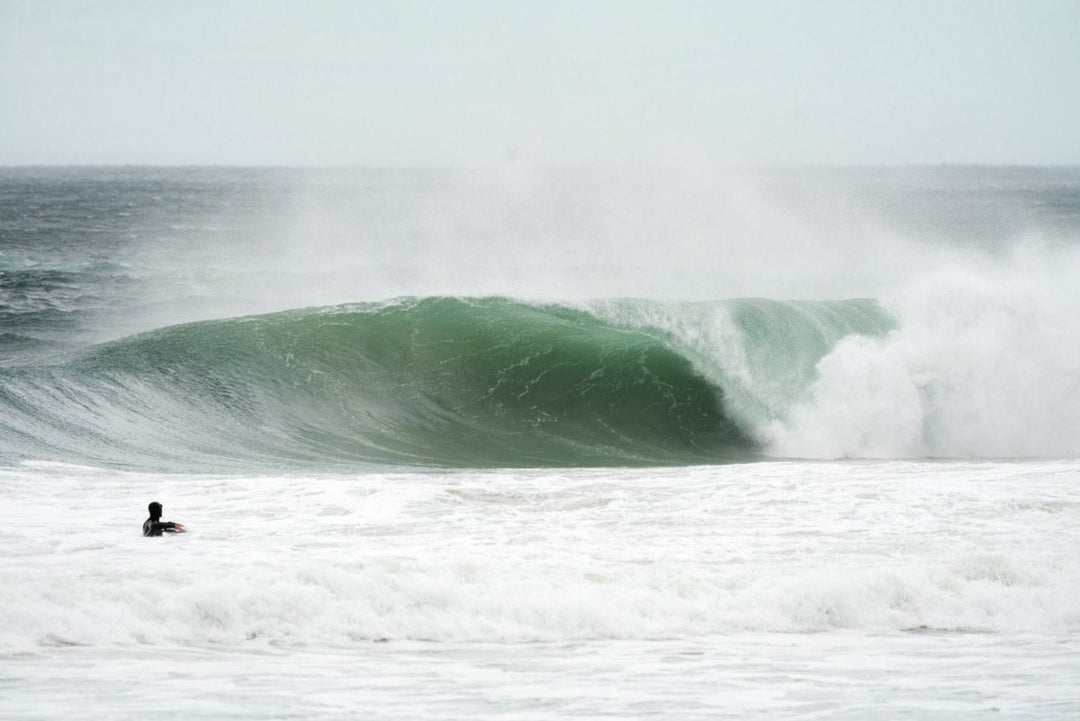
(985, 363)
(682, 231)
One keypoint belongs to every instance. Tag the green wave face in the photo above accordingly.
(440, 382)
(437, 382)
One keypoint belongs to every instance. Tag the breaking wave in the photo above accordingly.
(439, 382)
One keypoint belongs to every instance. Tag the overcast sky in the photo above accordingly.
(349, 82)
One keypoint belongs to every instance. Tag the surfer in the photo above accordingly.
(154, 526)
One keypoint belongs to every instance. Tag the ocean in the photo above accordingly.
(505, 443)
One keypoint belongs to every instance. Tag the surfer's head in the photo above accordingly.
(155, 510)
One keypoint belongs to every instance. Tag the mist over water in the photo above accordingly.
(978, 268)
(563, 234)
(946, 328)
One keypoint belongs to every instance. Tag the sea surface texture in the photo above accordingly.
(647, 444)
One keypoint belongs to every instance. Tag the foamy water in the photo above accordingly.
(786, 590)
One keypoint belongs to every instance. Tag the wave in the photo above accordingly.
(433, 382)
(302, 602)
(959, 365)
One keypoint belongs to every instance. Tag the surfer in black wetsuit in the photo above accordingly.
(154, 526)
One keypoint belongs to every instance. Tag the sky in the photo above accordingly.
(419, 83)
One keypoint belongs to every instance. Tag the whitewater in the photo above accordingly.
(519, 443)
